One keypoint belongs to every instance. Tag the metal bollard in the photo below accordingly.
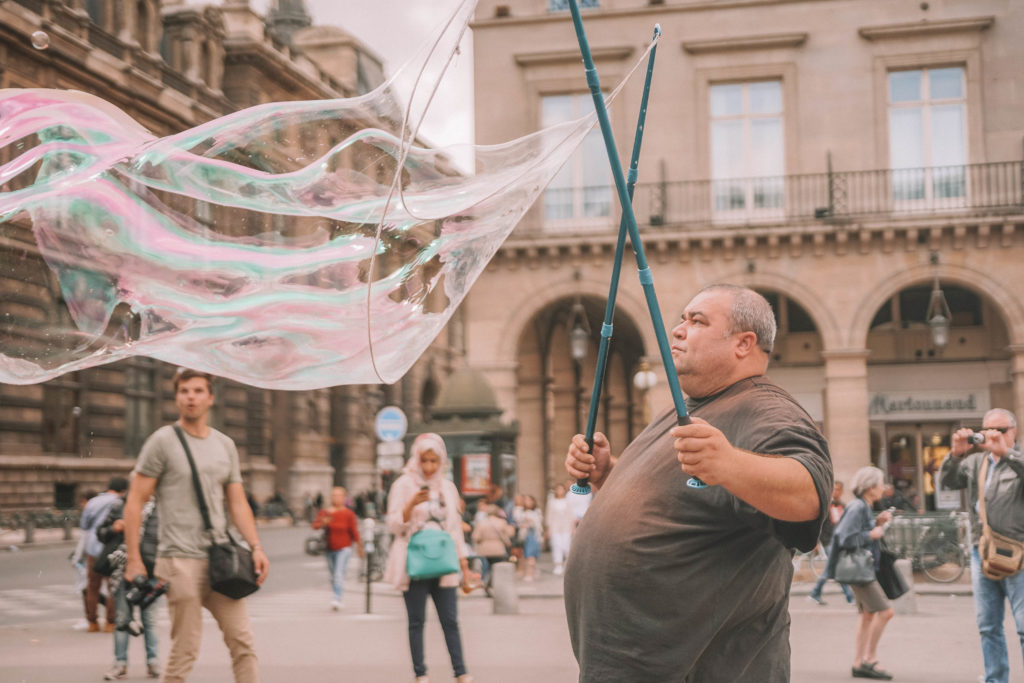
(906, 603)
(67, 527)
(503, 587)
(30, 529)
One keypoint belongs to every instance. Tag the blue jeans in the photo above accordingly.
(337, 565)
(989, 601)
(123, 615)
(446, 606)
(816, 591)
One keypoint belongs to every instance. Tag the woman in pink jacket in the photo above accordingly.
(419, 497)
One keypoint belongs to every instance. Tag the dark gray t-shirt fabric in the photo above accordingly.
(182, 532)
(671, 583)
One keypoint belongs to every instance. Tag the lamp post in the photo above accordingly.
(644, 380)
(579, 340)
(939, 317)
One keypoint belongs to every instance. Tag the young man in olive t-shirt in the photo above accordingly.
(163, 469)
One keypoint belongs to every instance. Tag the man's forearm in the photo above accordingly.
(132, 522)
(780, 487)
(241, 514)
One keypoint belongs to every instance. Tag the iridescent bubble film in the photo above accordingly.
(292, 245)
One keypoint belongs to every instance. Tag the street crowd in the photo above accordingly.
(679, 565)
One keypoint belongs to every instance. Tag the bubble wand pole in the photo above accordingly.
(582, 486)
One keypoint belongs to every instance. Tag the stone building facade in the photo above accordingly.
(172, 66)
(847, 158)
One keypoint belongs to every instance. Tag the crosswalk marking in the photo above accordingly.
(54, 603)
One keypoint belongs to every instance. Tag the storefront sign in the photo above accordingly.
(927, 405)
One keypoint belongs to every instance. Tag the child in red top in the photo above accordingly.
(342, 530)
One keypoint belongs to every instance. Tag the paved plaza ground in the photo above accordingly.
(301, 641)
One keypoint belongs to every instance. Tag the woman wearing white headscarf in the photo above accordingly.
(420, 496)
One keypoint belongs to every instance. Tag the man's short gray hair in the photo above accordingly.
(750, 312)
(1005, 413)
(866, 478)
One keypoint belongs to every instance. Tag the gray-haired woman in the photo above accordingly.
(859, 526)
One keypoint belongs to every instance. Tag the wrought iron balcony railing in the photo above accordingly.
(969, 189)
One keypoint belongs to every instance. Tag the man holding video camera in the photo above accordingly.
(1003, 491)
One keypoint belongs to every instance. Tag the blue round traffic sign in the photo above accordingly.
(391, 423)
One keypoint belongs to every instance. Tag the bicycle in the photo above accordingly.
(940, 558)
(932, 542)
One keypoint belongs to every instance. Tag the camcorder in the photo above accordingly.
(141, 592)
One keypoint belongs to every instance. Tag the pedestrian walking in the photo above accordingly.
(1002, 494)
(341, 529)
(835, 513)
(112, 528)
(422, 496)
(860, 527)
(163, 468)
(531, 533)
(78, 566)
(492, 540)
(676, 578)
(93, 514)
(561, 522)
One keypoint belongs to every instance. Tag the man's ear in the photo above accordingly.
(746, 343)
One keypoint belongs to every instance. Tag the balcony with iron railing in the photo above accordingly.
(966, 190)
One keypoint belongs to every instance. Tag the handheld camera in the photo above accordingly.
(141, 592)
(976, 438)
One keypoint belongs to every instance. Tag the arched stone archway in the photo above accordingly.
(1010, 308)
(553, 389)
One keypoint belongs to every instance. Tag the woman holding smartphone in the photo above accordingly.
(419, 497)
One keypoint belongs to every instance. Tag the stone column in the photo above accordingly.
(310, 471)
(846, 410)
(1017, 378)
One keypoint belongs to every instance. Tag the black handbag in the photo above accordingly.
(889, 577)
(104, 565)
(232, 572)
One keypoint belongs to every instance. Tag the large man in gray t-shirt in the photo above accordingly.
(163, 469)
(666, 581)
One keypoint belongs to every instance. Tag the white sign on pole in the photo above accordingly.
(391, 423)
(391, 448)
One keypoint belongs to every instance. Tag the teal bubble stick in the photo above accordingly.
(582, 487)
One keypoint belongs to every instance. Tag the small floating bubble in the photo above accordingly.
(40, 40)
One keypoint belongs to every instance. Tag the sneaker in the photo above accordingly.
(336, 605)
(153, 669)
(117, 672)
(109, 627)
(80, 625)
(817, 600)
(558, 570)
(93, 628)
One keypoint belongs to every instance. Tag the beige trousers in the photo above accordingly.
(188, 594)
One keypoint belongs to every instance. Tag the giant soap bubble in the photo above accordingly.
(293, 245)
